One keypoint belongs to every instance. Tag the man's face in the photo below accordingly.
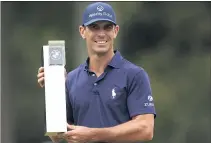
(99, 36)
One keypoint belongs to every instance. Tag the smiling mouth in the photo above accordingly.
(100, 42)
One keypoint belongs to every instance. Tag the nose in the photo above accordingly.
(101, 33)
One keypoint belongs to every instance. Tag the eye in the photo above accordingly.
(93, 26)
(109, 27)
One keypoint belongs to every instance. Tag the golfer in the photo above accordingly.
(109, 99)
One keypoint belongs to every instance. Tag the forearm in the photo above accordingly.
(128, 132)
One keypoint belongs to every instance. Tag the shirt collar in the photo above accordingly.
(114, 63)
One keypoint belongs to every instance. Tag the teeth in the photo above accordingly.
(101, 42)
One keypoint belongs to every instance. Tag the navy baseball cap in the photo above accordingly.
(98, 11)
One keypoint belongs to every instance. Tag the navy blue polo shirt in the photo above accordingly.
(120, 93)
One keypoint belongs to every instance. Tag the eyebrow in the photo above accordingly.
(109, 24)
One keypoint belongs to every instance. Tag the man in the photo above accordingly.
(109, 99)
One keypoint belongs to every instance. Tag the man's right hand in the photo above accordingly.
(41, 76)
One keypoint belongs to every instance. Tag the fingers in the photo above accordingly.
(69, 136)
(41, 69)
(41, 81)
(55, 139)
(71, 139)
(40, 76)
(71, 127)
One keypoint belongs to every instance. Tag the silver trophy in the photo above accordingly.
(54, 62)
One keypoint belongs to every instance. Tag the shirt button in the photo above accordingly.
(95, 84)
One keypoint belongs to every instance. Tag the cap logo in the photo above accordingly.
(100, 8)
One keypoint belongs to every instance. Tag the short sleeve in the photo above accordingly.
(68, 106)
(140, 99)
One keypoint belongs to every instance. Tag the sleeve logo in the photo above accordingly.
(150, 98)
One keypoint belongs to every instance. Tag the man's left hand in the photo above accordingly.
(79, 134)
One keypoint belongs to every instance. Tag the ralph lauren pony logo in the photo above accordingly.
(113, 93)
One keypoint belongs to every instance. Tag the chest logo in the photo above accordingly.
(113, 93)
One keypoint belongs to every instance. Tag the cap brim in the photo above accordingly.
(98, 19)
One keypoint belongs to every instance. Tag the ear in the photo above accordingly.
(82, 31)
(116, 31)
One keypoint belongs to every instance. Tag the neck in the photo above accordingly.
(98, 63)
